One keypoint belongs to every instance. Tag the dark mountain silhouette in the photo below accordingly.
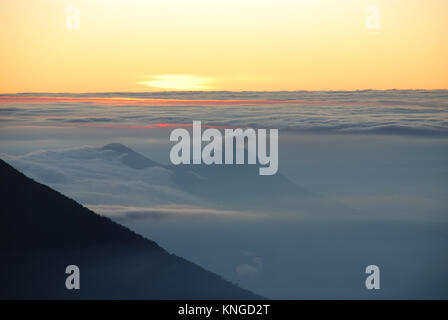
(43, 231)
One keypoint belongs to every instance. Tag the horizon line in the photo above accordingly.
(211, 91)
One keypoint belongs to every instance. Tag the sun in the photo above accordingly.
(184, 82)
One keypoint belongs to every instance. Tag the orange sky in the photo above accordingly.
(144, 45)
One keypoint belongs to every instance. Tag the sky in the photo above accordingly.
(259, 45)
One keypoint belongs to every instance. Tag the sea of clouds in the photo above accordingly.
(395, 112)
(383, 152)
(99, 179)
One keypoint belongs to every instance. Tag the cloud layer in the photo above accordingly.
(171, 211)
(374, 112)
(100, 179)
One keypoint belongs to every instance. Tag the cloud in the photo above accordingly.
(251, 268)
(246, 269)
(96, 176)
(101, 179)
(410, 113)
(168, 212)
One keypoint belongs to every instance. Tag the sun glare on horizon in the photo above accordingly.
(181, 82)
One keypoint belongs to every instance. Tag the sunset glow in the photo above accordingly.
(135, 45)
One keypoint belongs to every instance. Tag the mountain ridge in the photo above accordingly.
(43, 231)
